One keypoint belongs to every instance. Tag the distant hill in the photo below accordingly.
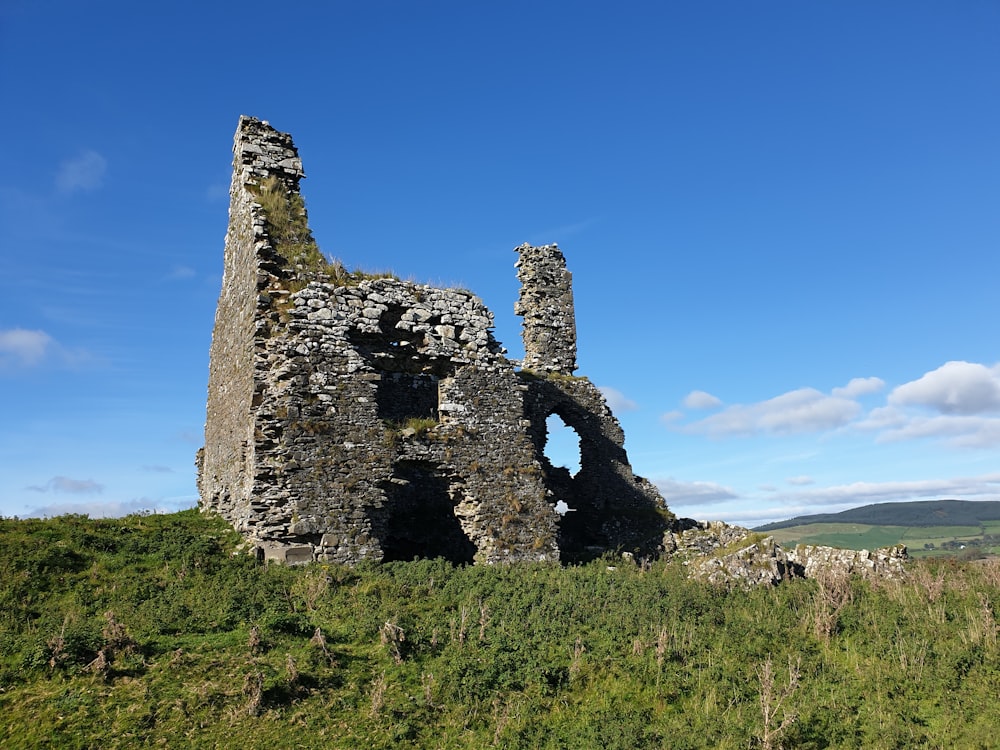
(914, 514)
(927, 528)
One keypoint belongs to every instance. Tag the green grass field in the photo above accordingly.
(148, 631)
(921, 541)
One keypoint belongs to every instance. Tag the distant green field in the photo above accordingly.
(846, 535)
(944, 532)
(920, 541)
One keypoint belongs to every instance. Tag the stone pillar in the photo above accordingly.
(546, 304)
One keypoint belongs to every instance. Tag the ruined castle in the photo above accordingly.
(357, 418)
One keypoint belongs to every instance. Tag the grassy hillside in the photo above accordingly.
(148, 631)
(921, 513)
(931, 528)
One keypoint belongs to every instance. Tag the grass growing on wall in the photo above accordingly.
(288, 228)
(148, 631)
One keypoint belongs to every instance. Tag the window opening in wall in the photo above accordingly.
(420, 516)
(580, 535)
(562, 445)
(403, 396)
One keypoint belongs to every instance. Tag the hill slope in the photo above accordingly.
(922, 513)
(939, 527)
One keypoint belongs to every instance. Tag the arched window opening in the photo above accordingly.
(580, 536)
(562, 445)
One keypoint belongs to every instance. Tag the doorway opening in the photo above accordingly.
(420, 518)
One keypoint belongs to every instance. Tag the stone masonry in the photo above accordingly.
(356, 418)
(546, 304)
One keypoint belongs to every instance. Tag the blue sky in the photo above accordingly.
(781, 217)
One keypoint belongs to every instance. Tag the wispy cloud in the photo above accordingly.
(20, 347)
(83, 172)
(178, 273)
(859, 387)
(960, 432)
(701, 400)
(860, 493)
(157, 469)
(617, 400)
(803, 410)
(69, 486)
(799, 411)
(800, 480)
(676, 492)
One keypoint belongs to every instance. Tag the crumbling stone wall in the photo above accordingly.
(734, 556)
(546, 305)
(354, 418)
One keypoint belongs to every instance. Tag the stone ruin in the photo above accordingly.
(353, 417)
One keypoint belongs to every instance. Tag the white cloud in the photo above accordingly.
(883, 418)
(964, 388)
(693, 493)
(83, 172)
(800, 481)
(965, 397)
(862, 493)
(798, 411)
(701, 400)
(617, 400)
(962, 432)
(859, 387)
(22, 347)
(70, 486)
(671, 416)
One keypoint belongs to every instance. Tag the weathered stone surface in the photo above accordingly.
(887, 562)
(378, 419)
(733, 556)
(546, 304)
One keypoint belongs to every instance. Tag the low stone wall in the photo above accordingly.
(734, 556)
